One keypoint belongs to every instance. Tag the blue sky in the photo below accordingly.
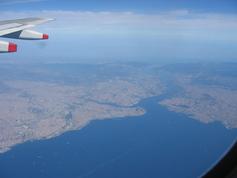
(225, 6)
(137, 30)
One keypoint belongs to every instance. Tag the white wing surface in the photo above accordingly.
(11, 26)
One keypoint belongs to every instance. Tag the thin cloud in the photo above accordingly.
(171, 23)
(177, 18)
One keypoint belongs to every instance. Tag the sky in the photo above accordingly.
(135, 30)
(122, 5)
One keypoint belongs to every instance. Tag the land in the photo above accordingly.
(45, 100)
(33, 108)
(206, 96)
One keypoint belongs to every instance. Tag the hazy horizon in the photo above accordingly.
(127, 31)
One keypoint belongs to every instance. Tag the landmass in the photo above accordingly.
(33, 108)
(41, 101)
(206, 96)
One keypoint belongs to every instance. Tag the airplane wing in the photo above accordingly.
(11, 26)
(18, 29)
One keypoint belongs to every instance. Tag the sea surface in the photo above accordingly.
(158, 144)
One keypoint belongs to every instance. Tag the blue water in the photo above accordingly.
(159, 144)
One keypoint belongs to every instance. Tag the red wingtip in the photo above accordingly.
(45, 36)
(12, 47)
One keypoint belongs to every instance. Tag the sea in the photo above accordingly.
(158, 144)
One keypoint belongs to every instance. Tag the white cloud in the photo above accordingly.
(128, 35)
(171, 23)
